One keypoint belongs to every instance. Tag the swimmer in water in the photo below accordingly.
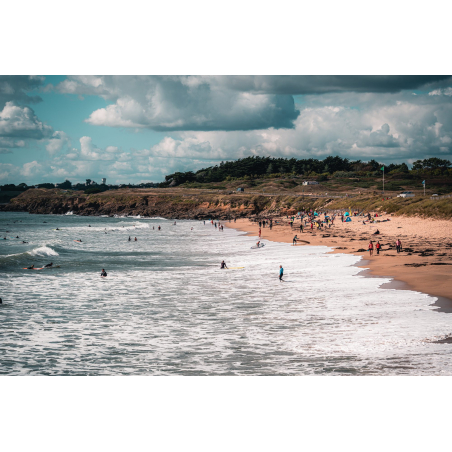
(130, 239)
(136, 239)
(103, 273)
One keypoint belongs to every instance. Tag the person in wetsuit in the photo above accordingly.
(281, 273)
(223, 265)
(103, 273)
(48, 265)
(31, 268)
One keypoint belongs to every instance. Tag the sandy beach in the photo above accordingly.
(424, 265)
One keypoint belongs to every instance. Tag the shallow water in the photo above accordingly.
(166, 307)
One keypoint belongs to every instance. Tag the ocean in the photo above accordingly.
(166, 308)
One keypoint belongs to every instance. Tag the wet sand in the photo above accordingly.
(424, 265)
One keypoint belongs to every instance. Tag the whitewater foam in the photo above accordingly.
(167, 308)
(43, 251)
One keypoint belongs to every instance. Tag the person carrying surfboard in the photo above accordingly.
(223, 265)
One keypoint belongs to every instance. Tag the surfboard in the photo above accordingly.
(26, 268)
(78, 241)
(255, 247)
(234, 268)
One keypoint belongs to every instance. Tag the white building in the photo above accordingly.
(310, 182)
(104, 181)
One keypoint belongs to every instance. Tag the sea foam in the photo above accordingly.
(43, 251)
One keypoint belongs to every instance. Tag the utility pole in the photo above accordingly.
(423, 183)
(383, 169)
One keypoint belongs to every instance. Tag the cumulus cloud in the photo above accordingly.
(57, 142)
(441, 92)
(169, 103)
(32, 169)
(16, 121)
(390, 130)
(88, 151)
(13, 88)
(205, 103)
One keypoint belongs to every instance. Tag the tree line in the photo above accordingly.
(267, 166)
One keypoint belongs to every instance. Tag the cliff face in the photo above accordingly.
(128, 202)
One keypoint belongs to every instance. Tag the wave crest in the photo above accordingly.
(43, 251)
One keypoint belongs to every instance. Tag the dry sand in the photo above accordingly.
(424, 265)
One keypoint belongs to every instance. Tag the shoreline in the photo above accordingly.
(427, 270)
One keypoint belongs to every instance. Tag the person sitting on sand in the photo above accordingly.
(376, 232)
(371, 248)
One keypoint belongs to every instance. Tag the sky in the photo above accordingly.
(133, 129)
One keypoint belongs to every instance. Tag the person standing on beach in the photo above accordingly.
(377, 247)
(371, 248)
(398, 245)
(281, 273)
(301, 227)
(294, 241)
(260, 232)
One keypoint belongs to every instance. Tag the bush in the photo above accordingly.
(344, 174)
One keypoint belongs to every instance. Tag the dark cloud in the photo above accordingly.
(14, 88)
(173, 103)
(222, 103)
(320, 84)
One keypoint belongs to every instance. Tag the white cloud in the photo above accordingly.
(58, 141)
(88, 151)
(441, 92)
(169, 103)
(32, 169)
(21, 122)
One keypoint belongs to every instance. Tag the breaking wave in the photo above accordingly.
(43, 251)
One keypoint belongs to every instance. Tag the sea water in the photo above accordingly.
(166, 307)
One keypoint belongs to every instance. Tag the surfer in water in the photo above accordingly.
(258, 244)
(48, 265)
(31, 268)
(56, 229)
(223, 265)
(136, 240)
(103, 273)
(130, 239)
(281, 273)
